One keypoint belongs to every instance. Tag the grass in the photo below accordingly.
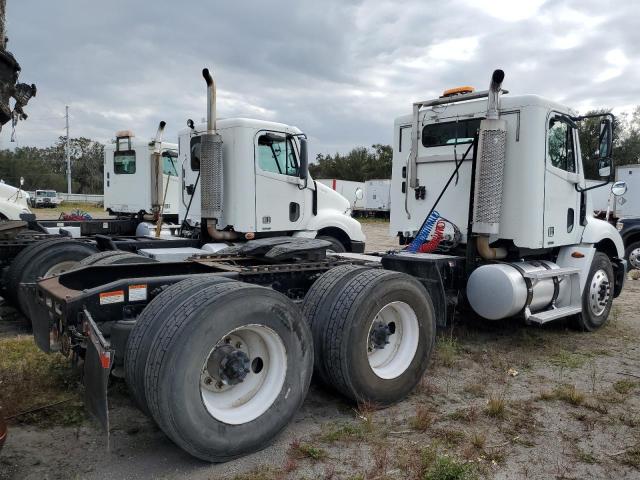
(423, 419)
(567, 393)
(301, 450)
(447, 351)
(260, 473)
(467, 415)
(632, 456)
(623, 387)
(449, 468)
(496, 407)
(343, 431)
(30, 379)
(568, 360)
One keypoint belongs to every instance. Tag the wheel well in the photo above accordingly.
(607, 247)
(338, 234)
(634, 237)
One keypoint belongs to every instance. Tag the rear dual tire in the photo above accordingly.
(186, 346)
(353, 321)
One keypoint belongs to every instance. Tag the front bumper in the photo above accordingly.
(357, 247)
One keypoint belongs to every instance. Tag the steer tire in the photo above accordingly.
(632, 255)
(587, 320)
(177, 361)
(147, 325)
(344, 336)
(336, 245)
(315, 306)
(43, 260)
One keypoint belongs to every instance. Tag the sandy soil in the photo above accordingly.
(502, 399)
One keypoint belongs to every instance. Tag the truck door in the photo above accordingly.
(170, 182)
(280, 193)
(561, 200)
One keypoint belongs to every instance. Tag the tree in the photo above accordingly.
(359, 164)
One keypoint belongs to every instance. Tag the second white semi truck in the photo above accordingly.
(489, 200)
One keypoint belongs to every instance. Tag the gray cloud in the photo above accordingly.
(339, 70)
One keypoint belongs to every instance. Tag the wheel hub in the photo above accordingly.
(599, 292)
(379, 336)
(228, 365)
(634, 258)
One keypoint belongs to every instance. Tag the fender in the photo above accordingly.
(597, 230)
(334, 218)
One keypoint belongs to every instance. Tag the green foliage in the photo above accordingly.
(359, 164)
(46, 168)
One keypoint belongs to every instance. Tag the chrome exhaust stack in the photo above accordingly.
(490, 163)
(156, 170)
(211, 169)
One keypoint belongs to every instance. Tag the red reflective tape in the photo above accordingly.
(105, 360)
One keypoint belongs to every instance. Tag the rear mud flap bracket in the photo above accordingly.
(97, 367)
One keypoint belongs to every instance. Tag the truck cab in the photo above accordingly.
(129, 176)
(45, 199)
(263, 181)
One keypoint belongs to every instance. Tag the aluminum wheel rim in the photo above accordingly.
(634, 258)
(396, 357)
(247, 400)
(599, 292)
(61, 267)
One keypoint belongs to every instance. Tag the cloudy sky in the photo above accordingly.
(341, 70)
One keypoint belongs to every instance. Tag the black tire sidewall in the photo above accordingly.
(586, 319)
(628, 251)
(44, 260)
(364, 384)
(336, 245)
(179, 379)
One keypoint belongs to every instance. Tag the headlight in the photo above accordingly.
(619, 225)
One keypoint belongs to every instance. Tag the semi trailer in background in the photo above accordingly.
(377, 197)
(490, 206)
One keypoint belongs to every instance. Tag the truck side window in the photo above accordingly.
(276, 154)
(169, 163)
(560, 145)
(194, 146)
(124, 162)
(450, 133)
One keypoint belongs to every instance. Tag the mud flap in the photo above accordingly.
(97, 366)
(39, 316)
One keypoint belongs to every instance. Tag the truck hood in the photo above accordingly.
(328, 198)
(13, 195)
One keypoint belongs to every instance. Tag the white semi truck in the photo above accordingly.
(130, 184)
(488, 198)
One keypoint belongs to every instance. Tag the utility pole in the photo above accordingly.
(68, 154)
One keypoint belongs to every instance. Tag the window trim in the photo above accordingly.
(289, 137)
(118, 153)
(456, 121)
(570, 176)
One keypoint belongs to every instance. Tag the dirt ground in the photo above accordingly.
(500, 400)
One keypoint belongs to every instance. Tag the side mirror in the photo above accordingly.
(304, 159)
(619, 188)
(359, 193)
(604, 167)
(605, 146)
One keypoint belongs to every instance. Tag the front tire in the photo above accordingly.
(597, 296)
(229, 370)
(336, 245)
(632, 254)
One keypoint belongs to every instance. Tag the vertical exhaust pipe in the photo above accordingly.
(211, 169)
(492, 150)
(156, 169)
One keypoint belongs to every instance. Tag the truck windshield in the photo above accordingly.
(169, 163)
(124, 162)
